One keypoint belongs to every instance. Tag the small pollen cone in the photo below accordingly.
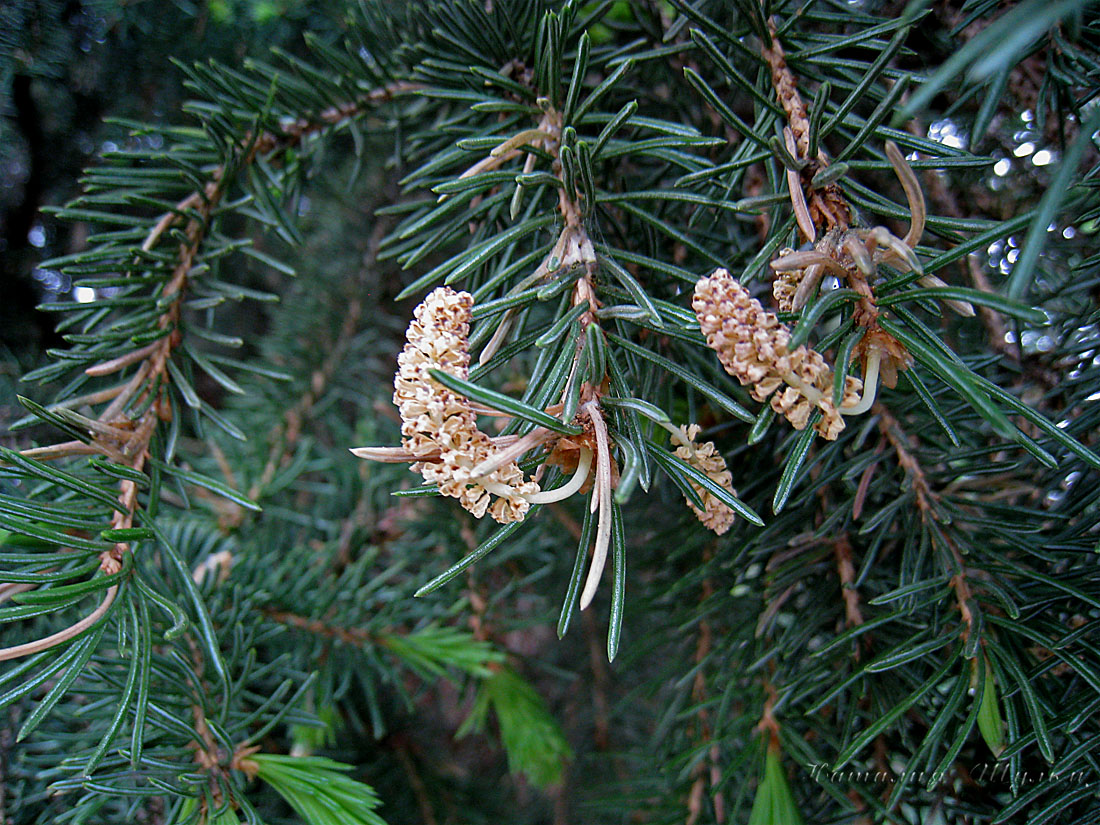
(753, 346)
(706, 458)
(438, 426)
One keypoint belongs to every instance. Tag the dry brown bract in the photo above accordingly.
(855, 254)
(438, 426)
(706, 458)
(753, 346)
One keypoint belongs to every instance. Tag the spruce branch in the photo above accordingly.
(921, 599)
(930, 513)
(115, 433)
(571, 256)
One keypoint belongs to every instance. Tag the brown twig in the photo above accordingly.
(768, 725)
(703, 772)
(865, 483)
(927, 501)
(416, 782)
(827, 205)
(601, 707)
(846, 571)
(992, 319)
(349, 635)
(209, 755)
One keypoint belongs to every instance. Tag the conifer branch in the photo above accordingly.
(126, 439)
(572, 176)
(929, 508)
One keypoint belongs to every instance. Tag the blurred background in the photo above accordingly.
(71, 74)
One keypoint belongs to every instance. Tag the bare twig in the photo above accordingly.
(711, 770)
